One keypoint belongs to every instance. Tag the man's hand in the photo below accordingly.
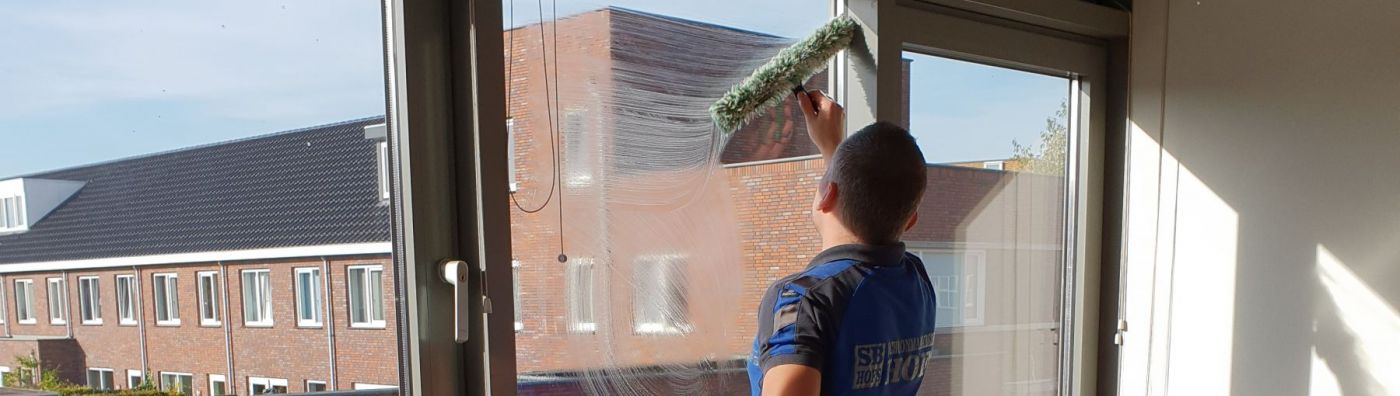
(825, 121)
(792, 380)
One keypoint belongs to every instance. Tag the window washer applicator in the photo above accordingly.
(784, 73)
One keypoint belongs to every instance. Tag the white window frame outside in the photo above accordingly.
(58, 307)
(111, 378)
(512, 175)
(314, 293)
(134, 374)
(366, 297)
(666, 280)
(4, 310)
(266, 383)
(12, 216)
(90, 300)
(3, 370)
(126, 299)
(25, 313)
(169, 282)
(364, 386)
(578, 160)
(381, 150)
(208, 298)
(219, 378)
(323, 384)
(261, 293)
(515, 291)
(164, 386)
(974, 278)
(581, 294)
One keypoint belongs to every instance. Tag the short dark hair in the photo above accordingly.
(880, 174)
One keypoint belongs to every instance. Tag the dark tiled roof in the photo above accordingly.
(313, 186)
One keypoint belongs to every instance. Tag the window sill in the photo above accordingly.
(584, 328)
(309, 325)
(368, 326)
(58, 323)
(28, 322)
(211, 324)
(258, 325)
(92, 322)
(127, 323)
(168, 324)
(656, 329)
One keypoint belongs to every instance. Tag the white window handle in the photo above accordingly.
(454, 272)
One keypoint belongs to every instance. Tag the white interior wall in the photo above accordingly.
(1263, 227)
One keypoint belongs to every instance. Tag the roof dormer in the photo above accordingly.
(25, 201)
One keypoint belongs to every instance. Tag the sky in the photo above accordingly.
(94, 81)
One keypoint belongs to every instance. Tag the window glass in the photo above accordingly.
(58, 301)
(366, 296)
(209, 298)
(257, 298)
(100, 379)
(308, 296)
(126, 290)
(645, 235)
(168, 147)
(992, 229)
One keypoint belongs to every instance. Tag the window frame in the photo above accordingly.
(25, 314)
(512, 173)
(163, 386)
(12, 209)
(350, 283)
(515, 293)
(267, 382)
(169, 307)
(977, 258)
(382, 169)
(261, 293)
(126, 302)
(220, 379)
(111, 378)
(668, 277)
(58, 308)
(315, 295)
(90, 300)
(209, 298)
(307, 386)
(584, 300)
(138, 374)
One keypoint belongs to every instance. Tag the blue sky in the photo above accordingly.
(94, 80)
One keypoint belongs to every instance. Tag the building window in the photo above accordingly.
(134, 378)
(578, 280)
(90, 300)
(315, 386)
(515, 291)
(209, 299)
(308, 296)
(99, 378)
(660, 303)
(382, 158)
(510, 155)
(958, 278)
(58, 300)
(126, 299)
(578, 157)
(994, 165)
(166, 288)
(366, 283)
(260, 385)
(218, 385)
(4, 372)
(177, 382)
(257, 298)
(24, 301)
(12, 213)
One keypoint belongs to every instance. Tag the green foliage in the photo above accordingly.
(48, 380)
(1049, 157)
(793, 66)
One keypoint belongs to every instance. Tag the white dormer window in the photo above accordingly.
(25, 201)
(12, 213)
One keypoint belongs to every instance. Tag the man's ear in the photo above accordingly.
(912, 221)
(827, 200)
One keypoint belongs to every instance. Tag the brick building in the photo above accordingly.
(252, 264)
(669, 240)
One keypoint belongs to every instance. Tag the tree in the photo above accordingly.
(1047, 158)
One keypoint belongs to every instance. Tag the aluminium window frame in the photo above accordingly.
(111, 381)
(210, 297)
(307, 385)
(217, 378)
(160, 383)
(131, 373)
(268, 382)
(91, 301)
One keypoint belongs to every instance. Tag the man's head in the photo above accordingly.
(872, 186)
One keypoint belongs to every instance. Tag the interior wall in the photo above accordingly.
(1262, 244)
